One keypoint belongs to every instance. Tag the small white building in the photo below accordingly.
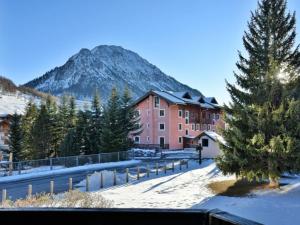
(210, 144)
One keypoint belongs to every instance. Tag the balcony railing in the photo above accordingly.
(152, 146)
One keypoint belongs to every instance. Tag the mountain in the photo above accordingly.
(15, 98)
(102, 68)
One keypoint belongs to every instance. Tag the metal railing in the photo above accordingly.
(30, 166)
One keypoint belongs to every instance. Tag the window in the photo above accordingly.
(148, 125)
(180, 126)
(197, 126)
(179, 140)
(187, 120)
(186, 132)
(156, 101)
(187, 114)
(193, 126)
(162, 126)
(137, 139)
(217, 116)
(148, 138)
(180, 113)
(204, 142)
(161, 112)
(208, 127)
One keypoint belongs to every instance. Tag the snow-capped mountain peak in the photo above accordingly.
(102, 68)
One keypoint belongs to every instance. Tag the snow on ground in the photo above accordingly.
(11, 103)
(99, 166)
(181, 189)
(188, 189)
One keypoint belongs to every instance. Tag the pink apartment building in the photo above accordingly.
(175, 120)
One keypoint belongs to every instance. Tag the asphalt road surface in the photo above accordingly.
(19, 189)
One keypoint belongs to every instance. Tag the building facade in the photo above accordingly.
(174, 120)
(4, 131)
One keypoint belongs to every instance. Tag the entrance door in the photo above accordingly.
(162, 142)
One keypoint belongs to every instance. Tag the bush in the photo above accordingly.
(72, 199)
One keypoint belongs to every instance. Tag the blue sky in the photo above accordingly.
(195, 41)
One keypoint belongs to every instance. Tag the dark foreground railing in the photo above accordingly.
(120, 217)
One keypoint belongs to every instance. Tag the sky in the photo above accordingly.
(195, 41)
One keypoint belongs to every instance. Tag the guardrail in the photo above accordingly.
(30, 166)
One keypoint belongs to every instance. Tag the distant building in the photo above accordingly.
(174, 120)
(4, 131)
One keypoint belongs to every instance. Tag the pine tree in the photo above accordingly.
(15, 137)
(95, 125)
(72, 113)
(41, 133)
(130, 120)
(28, 120)
(54, 126)
(111, 135)
(259, 143)
(83, 142)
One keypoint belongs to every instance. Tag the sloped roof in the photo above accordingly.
(214, 136)
(182, 98)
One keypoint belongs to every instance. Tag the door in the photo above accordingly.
(162, 142)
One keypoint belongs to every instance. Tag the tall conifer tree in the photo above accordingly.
(259, 141)
(16, 137)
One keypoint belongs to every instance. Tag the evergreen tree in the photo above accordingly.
(83, 142)
(260, 143)
(41, 134)
(111, 135)
(15, 137)
(72, 113)
(130, 120)
(28, 120)
(54, 125)
(95, 125)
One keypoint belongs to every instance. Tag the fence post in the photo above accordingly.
(29, 192)
(10, 163)
(173, 166)
(101, 180)
(114, 178)
(180, 164)
(19, 167)
(87, 187)
(156, 171)
(187, 164)
(127, 175)
(70, 184)
(148, 171)
(3, 196)
(165, 168)
(51, 164)
(118, 156)
(51, 187)
(99, 158)
(138, 173)
(77, 161)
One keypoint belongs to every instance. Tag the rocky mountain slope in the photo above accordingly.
(101, 69)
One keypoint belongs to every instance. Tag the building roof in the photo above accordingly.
(214, 136)
(183, 98)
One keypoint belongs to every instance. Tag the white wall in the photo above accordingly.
(212, 150)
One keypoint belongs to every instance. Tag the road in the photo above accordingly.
(18, 189)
